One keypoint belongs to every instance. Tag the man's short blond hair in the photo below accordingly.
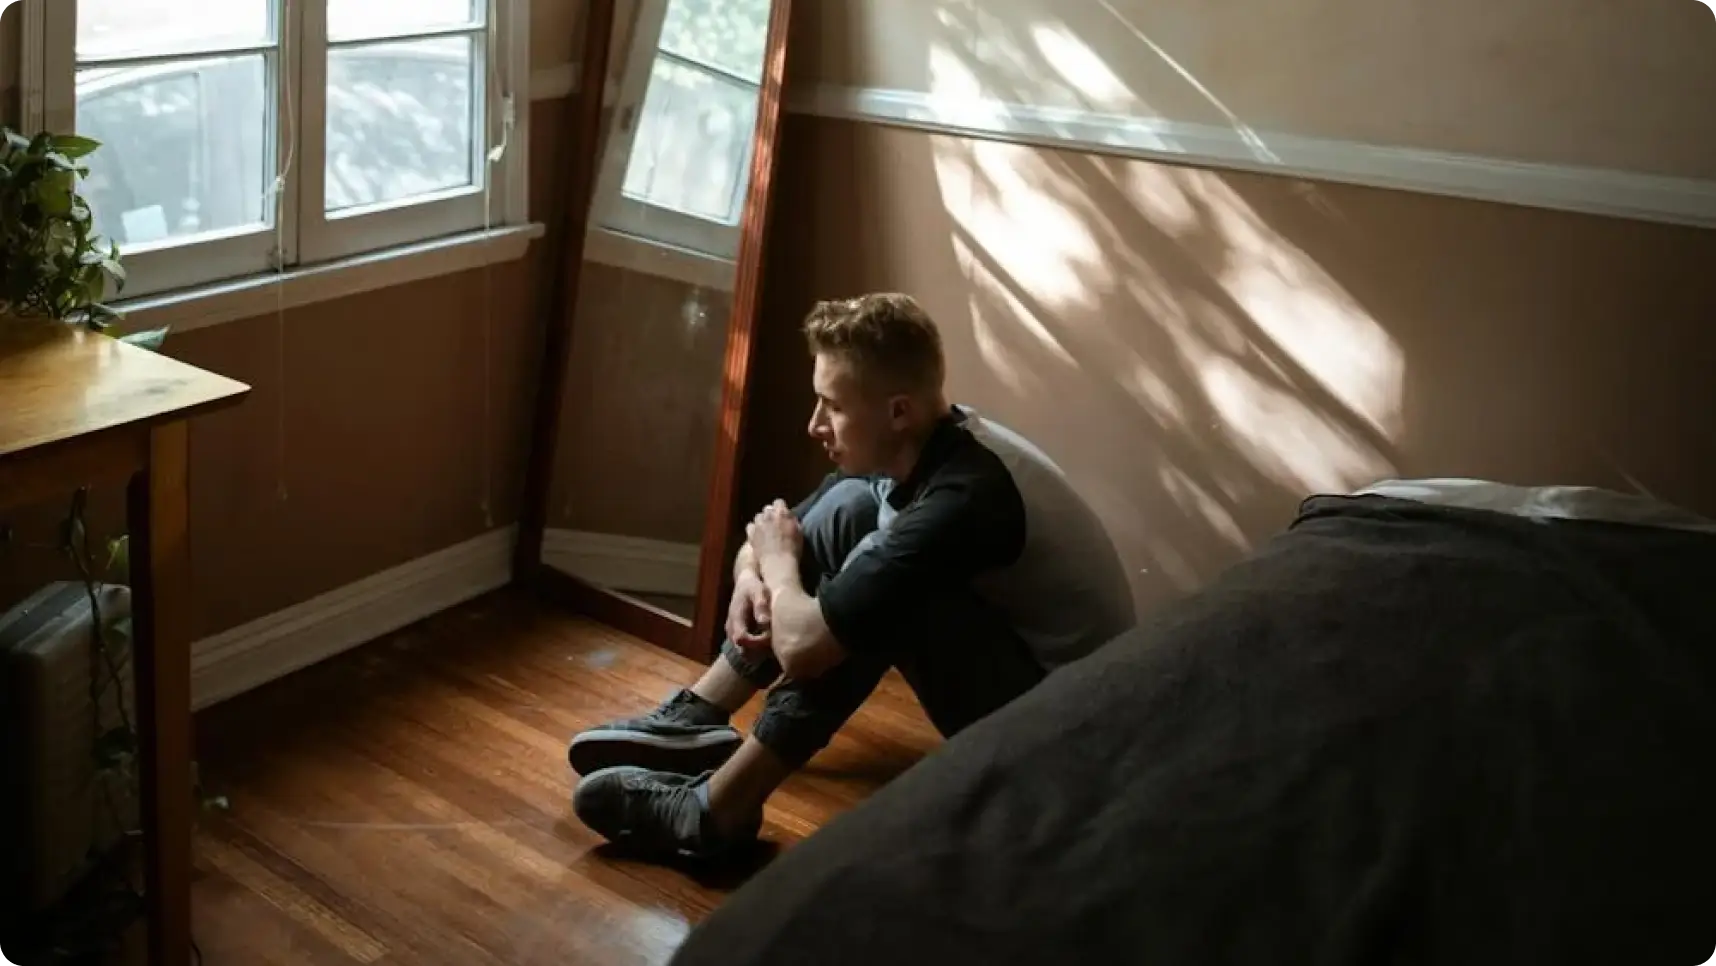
(887, 337)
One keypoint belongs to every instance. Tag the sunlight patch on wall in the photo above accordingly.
(1152, 392)
(979, 54)
(952, 78)
(1340, 347)
(1284, 438)
(997, 318)
(1303, 377)
(1158, 192)
(1002, 195)
(1307, 314)
(1198, 502)
(1082, 70)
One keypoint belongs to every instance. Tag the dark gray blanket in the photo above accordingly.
(1397, 734)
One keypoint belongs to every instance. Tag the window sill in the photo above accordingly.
(619, 250)
(263, 295)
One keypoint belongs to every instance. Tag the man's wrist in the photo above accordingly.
(779, 573)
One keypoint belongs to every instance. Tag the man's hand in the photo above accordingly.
(748, 613)
(775, 538)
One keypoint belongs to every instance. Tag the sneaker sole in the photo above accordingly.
(595, 750)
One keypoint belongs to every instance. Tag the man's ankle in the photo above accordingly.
(687, 707)
(736, 792)
(727, 820)
(723, 687)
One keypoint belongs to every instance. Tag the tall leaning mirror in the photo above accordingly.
(649, 347)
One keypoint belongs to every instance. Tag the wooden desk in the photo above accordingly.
(82, 409)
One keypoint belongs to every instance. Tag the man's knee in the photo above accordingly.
(839, 521)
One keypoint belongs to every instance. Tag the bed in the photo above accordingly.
(1435, 722)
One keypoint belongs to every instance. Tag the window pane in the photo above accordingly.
(399, 120)
(729, 34)
(693, 142)
(352, 19)
(129, 28)
(184, 148)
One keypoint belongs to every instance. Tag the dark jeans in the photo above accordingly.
(959, 657)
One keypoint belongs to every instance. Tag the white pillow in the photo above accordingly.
(1543, 502)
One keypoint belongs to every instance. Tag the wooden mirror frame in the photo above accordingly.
(565, 244)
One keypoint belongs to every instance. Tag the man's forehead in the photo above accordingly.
(831, 374)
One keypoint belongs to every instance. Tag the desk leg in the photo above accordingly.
(160, 582)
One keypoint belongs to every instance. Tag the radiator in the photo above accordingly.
(58, 809)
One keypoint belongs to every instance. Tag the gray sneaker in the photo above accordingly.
(686, 735)
(656, 815)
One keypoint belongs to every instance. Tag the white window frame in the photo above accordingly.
(304, 236)
(674, 244)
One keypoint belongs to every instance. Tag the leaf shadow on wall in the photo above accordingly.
(1194, 372)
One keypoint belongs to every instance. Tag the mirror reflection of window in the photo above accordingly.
(692, 145)
(678, 171)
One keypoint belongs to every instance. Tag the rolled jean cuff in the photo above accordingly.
(794, 732)
(759, 668)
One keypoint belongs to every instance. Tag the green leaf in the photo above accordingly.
(99, 315)
(94, 287)
(54, 195)
(73, 146)
(119, 558)
(150, 339)
(51, 262)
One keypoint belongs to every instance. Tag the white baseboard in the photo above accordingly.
(235, 661)
(633, 564)
(1622, 194)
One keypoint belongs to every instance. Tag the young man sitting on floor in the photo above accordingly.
(945, 545)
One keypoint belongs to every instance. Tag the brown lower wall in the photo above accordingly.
(1200, 350)
(373, 435)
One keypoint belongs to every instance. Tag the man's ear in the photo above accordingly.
(900, 411)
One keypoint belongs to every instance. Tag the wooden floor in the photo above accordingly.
(408, 802)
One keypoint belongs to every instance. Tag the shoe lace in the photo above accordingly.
(674, 707)
(660, 808)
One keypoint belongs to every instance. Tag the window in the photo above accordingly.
(240, 137)
(678, 160)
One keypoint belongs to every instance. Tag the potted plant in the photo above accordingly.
(54, 267)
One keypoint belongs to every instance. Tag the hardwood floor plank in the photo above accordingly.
(409, 801)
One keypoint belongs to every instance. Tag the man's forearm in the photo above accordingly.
(801, 639)
(746, 562)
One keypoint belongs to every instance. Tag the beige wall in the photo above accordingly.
(1604, 83)
(555, 37)
(1201, 350)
